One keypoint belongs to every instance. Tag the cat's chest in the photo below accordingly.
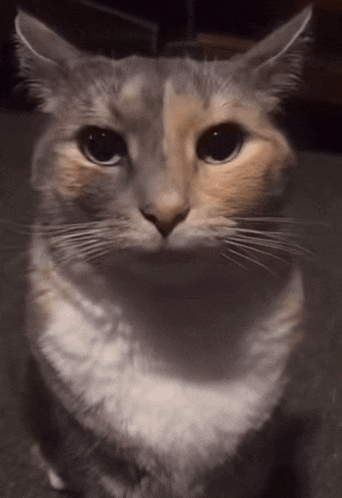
(104, 367)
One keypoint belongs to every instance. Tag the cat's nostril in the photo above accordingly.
(165, 227)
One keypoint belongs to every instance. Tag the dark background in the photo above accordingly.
(314, 117)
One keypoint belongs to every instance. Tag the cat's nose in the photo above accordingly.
(165, 223)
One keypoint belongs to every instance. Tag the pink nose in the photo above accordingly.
(165, 224)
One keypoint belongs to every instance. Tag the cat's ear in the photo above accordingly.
(44, 57)
(275, 64)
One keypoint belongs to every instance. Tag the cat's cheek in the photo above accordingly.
(146, 243)
(203, 230)
(143, 236)
(190, 238)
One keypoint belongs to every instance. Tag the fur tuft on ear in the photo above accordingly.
(275, 64)
(43, 57)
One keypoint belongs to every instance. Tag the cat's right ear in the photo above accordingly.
(44, 57)
(274, 65)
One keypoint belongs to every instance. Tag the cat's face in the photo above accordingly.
(161, 153)
(165, 151)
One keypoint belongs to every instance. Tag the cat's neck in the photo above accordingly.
(168, 283)
(184, 312)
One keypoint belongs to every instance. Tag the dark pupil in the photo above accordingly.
(220, 143)
(102, 145)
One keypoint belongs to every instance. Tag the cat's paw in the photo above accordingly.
(54, 480)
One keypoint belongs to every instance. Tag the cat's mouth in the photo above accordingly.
(165, 255)
(164, 263)
(242, 242)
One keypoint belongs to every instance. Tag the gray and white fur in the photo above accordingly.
(164, 304)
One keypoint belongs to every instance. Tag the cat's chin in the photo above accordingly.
(165, 264)
(164, 255)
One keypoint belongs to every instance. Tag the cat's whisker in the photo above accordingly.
(71, 232)
(283, 249)
(225, 255)
(84, 230)
(274, 217)
(95, 247)
(270, 219)
(27, 230)
(281, 234)
(98, 254)
(70, 238)
(65, 226)
(75, 248)
(257, 250)
(284, 222)
(271, 243)
(263, 242)
(283, 245)
(255, 235)
(252, 260)
(278, 237)
(81, 248)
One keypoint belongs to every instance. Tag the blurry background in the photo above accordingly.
(220, 28)
(309, 450)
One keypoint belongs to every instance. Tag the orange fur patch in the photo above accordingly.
(74, 172)
(231, 188)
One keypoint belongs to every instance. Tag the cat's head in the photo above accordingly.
(148, 153)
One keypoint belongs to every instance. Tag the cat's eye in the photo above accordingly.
(102, 146)
(220, 144)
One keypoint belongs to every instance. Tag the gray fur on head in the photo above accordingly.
(271, 68)
(44, 57)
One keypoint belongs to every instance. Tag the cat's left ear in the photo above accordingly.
(274, 65)
(44, 57)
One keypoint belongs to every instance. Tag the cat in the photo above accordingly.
(164, 303)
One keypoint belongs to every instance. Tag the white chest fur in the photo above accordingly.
(191, 419)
